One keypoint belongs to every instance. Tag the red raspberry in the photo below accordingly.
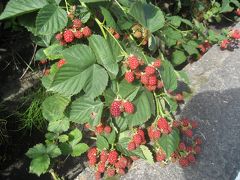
(224, 44)
(68, 36)
(115, 108)
(151, 88)
(101, 167)
(144, 79)
(92, 161)
(176, 124)
(128, 107)
(235, 34)
(123, 162)
(191, 158)
(59, 36)
(198, 141)
(160, 156)
(77, 23)
(46, 72)
(129, 76)
(107, 129)
(60, 63)
(188, 133)
(141, 133)
(189, 148)
(78, 34)
(112, 156)
(86, 31)
(197, 149)
(156, 134)
(185, 122)
(137, 139)
(162, 123)
(182, 146)
(131, 146)
(87, 126)
(237, 12)
(99, 129)
(97, 175)
(179, 97)
(133, 62)
(103, 156)
(150, 70)
(157, 63)
(183, 162)
(152, 80)
(62, 42)
(194, 124)
(134, 158)
(92, 152)
(160, 84)
(151, 132)
(43, 61)
(110, 172)
(121, 171)
(117, 35)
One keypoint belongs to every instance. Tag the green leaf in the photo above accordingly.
(110, 22)
(54, 52)
(121, 123)
(147, 153)
(80, 55)
(51, 19)
(63, 138)
(40, 55)
(175, 20)
(54, 106)
(142, 110)
(18, 7)
(111, 137)
(178, 57)
(182, 75)
(172, 36)
(94, 1)
(126, 89)
(66, 148)
(102, 143)
(79, 149)
(28, 21)
(58, 126)
(115, 48)
(53, 151)
(148, 15)
(97, 82)
(190, 49)
(85, 109)
(75, 136)
(168, 76)
(172, 103)
(169, 142)
(104, 53)
(40, 165)
(36, 151)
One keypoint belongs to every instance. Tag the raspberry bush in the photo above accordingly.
(110, 66)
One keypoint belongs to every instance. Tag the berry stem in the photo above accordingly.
(66, 5)
(100, 24)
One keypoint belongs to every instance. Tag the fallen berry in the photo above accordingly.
(198, 141)
(197, 149)
(224, 44)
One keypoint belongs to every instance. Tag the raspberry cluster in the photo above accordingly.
(137, 140)
(75, 31)
(147, 74)
(232, 42)
(186, 151)
(119, 106)
(162, 126)
(108, 163)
